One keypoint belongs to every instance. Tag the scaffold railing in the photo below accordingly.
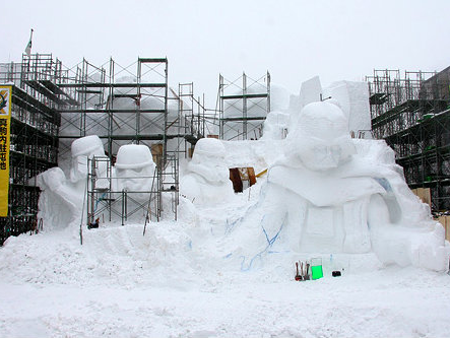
(243, 106)
(412, 113)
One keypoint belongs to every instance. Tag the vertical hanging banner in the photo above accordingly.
(5, 124)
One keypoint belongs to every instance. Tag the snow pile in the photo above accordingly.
(121, 283)
(248, 154)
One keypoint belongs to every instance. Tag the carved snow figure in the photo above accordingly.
(208, 177)
(61, 199)
(331, 194)
(134, 170)
(60, 202)
(83, 149)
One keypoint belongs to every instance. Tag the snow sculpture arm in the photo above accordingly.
(60, 201)
(274, 214)
(53, 180)
(423, 246)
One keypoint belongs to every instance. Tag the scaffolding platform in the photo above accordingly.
(243, 106)
(411, 112)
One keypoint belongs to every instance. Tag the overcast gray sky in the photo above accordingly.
(294, 40)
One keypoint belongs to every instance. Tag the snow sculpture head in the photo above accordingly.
(207, 180)
(134, 168)
(83, 149)
(320, 141)
(209, 161)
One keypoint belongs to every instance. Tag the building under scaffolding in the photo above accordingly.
(53, 105)
(412, 113)
(35, 123)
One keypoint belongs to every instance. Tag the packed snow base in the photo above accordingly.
(120, 283)
(226, 268)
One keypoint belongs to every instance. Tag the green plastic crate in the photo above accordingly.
(316, 268)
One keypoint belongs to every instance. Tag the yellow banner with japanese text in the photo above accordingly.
(5, 125)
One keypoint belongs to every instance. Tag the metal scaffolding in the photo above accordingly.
(243, 106)
(34, 142)
(133, 104)
(54, 105)
(123, 105)
(192, 116)
(412, 114)
(104, 199)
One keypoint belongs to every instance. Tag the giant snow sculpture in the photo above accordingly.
(332, 194)
(135, 170)
(207, 179)
(61, 199)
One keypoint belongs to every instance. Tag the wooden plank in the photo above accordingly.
(445, 221)
(157, 153)
(251, 175)
(262, 173)
(235, 177)
(424, 194)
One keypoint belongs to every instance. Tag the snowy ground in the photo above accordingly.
(123, 284)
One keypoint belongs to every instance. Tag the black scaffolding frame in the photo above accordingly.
(412, 114)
